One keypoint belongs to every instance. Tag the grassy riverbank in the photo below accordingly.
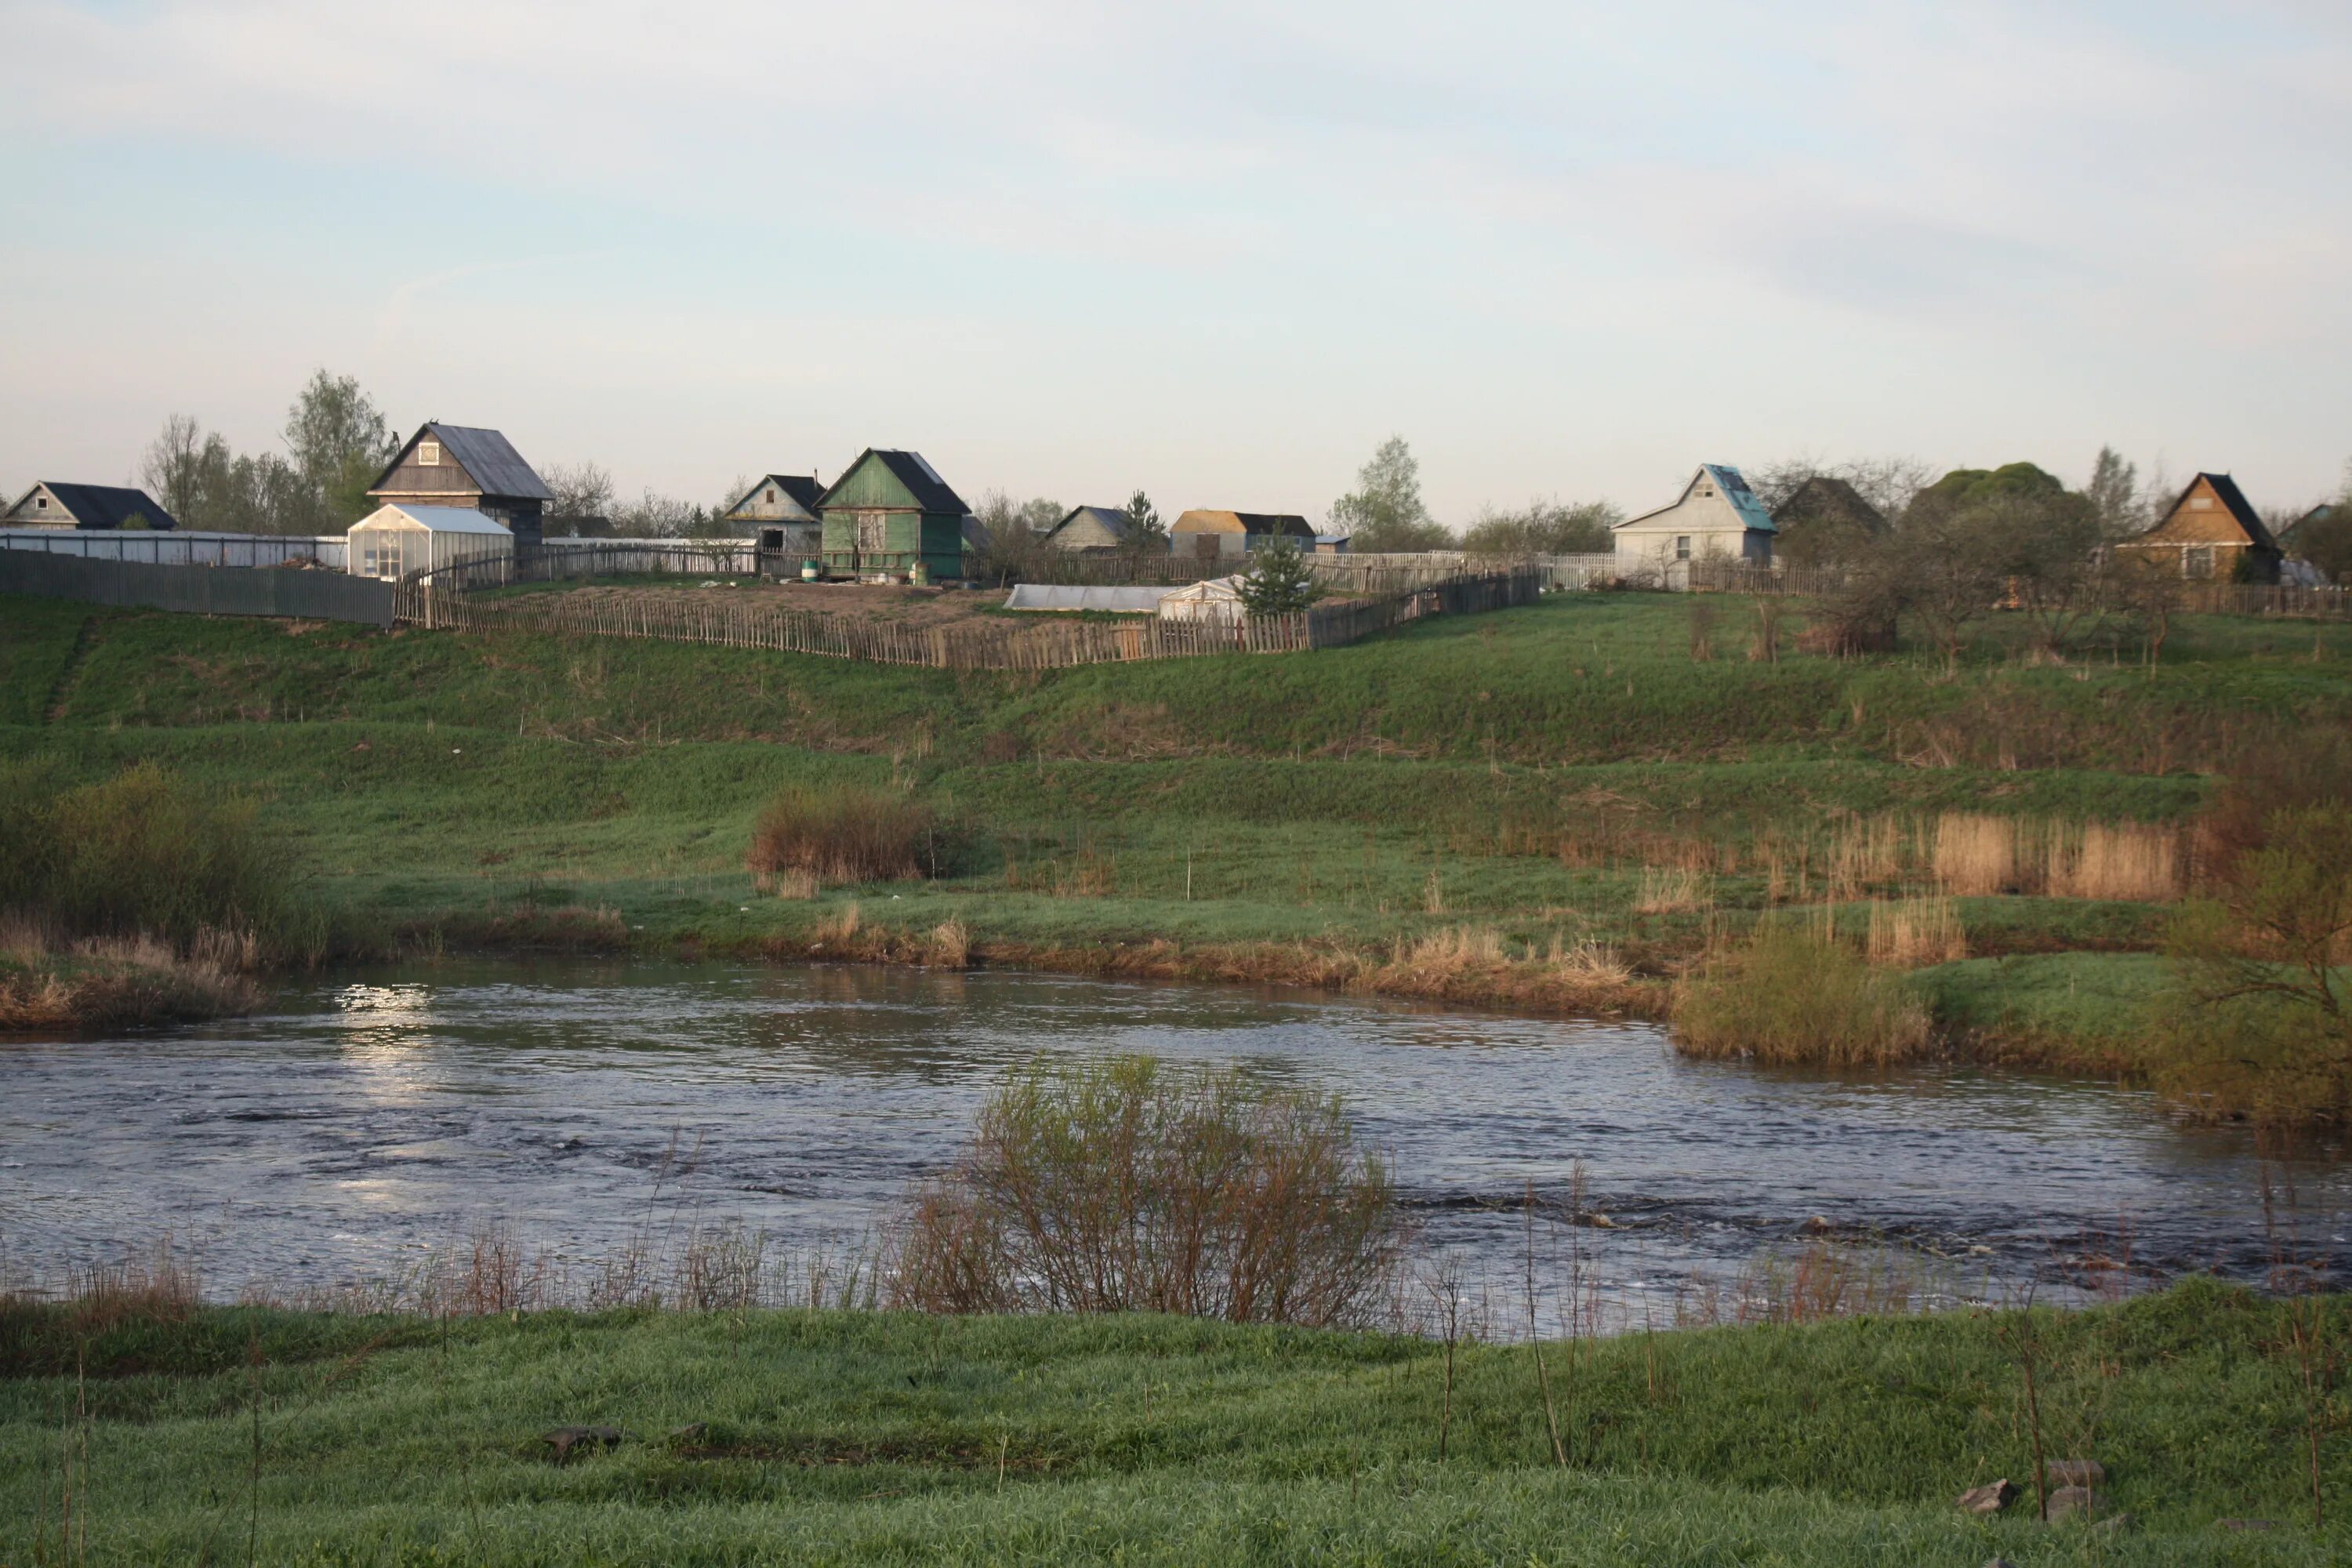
(1557, 805)
(830, 1437)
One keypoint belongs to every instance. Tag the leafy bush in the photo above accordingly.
(142, 854)
(1798, 997)
(1126, 1186)
(839, 833)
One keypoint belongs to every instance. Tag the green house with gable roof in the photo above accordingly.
(890, 512)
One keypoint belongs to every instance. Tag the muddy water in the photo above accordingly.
(368, 1117)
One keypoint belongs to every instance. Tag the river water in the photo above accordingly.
(374, 1115)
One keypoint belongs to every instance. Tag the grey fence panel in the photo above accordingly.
(179, 547)
(293, 594)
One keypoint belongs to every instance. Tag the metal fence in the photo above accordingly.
(288, 592)
(178, 547)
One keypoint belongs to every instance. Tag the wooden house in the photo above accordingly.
(1203, 534)
(468, 469)
(1716, 518)
(1089, 528)
(52, 504)
(2211, 533)
(2289, 538)
(398, 537)
(891, 513)
(780, 511)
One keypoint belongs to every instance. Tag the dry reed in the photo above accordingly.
(2125, 861)
(1674, 889)
(1975, 855)
(839, 833)
(1915, 933)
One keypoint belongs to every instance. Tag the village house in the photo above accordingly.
(780, 511)
(401, 537)
(2288, 538)
(1089, 528)
(51, 504)
(891, 513)
(1716, 518)
(462, 466)
(1203, 534)
(2211, 533)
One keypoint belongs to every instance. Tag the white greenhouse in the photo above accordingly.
(397, 539)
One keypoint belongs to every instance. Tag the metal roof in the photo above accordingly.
(2233, 500)
(801, 490)
(103, 506)
(438, 519)
(1734, 487)
(490, 459)
(921, 480)
(1111, 516)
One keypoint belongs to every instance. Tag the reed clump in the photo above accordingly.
(839, 833)
(1673, 889)
(1797, 995)
(1912, 934)
(1126, 1186)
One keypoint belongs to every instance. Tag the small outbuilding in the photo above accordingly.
(1215, 600)
(1089, 528)
(780, 511)
(1716, 518)
(394, 541)
(890, 512)
(468, 468)
(2212, 533)
(53, 504)
(1203, 534)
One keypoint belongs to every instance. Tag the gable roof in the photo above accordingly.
(801, 490)
(1826, 495)
(1111, 518)
(1731, 485)
(2233, 502)
(2324, 510)
(488, 458)
(918, 478)
(438, 519)
(103, 506)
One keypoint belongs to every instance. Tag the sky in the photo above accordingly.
(1217, 251)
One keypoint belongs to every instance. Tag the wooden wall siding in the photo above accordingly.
(439, 600)
(870, 484)
(2192, 524)
(28, 512)
(1085, 531)
(448, 477)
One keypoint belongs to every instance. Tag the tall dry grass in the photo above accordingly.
(1674, 889)
(1973, 856)
(2127, 862)
(1130, 1186)
(1915, 932)
(837, 833)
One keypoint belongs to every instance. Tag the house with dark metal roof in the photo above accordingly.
(1089, 528)
(1205, 533)
(891, 513)
(780, 511)
(2212, 533)
(52, 504)
(2288, 536)
(1717, 516)
(466, 466)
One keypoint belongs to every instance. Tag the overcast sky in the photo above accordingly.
(1218, 251)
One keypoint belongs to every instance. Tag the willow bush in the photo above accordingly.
(1798, 997)
(1126, 1185)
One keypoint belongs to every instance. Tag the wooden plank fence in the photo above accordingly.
(440, 600)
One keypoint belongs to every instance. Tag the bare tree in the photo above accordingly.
(171, 470)
(582, 490)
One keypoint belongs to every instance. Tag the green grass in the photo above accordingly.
(877, 1438)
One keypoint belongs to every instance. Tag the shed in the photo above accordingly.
(393, 541)
(1203, 533)
(1716, 518)
(54, 504)
(1089, 528)
(2210, 533)
(468, 468)
(1216, 600)
(780, 511)
(890, 512)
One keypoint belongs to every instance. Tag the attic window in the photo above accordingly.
(2200, 503)
(40, 503)
(771, 497)
(429, 454)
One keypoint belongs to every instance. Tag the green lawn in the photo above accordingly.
(877, 1438)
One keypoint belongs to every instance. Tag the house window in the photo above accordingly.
(2200, 503)
(2196, 562)
(771, 497)
(429, 454)
(872, 531)
(1682, 546)
(40, 503)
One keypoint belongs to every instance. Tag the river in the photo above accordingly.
(371, 1115)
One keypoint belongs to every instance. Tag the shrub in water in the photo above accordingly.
(1126, 1186)
(1794, 995)
(837, 833)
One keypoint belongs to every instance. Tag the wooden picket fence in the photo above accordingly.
(440, 601)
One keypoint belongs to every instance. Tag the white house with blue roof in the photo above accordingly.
(1716, 518)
